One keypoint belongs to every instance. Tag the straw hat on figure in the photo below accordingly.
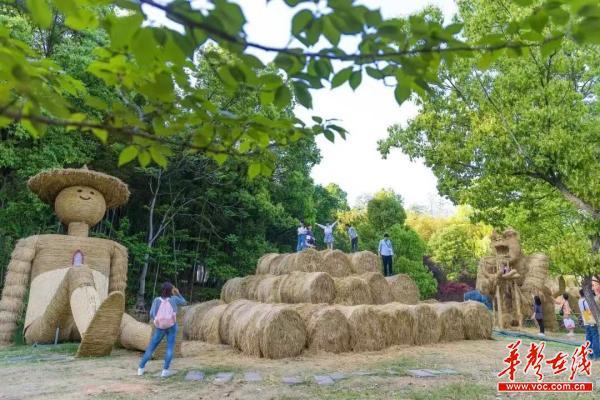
(77, 283)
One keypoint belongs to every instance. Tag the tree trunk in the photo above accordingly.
(140, 303)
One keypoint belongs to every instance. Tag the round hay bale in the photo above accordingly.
(381, 292)
(209, 328)
(267, 290)
(232, 290)
(477, 320)
(428, 324)
(326, 327)
(263, 266)
(276, 262)
(451, 321)
(308, 260)
(398, 323)
(303, 287)
(365, 328)
(352, 291)
(336, 263)
(365, 261)
(430, 301)
(226, 318)
(193, 317)
(266, 330)
(403, 289)
(284, 264)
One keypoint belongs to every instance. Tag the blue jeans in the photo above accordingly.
(591, 335)
(158, 335)
(301, 242)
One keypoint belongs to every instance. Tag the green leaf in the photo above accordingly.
(401, 93)
(300, 21)
(303, 96)
(40, 12)
(283, 96)
(341, 77)
(329, 135)
(523, 3)
(127, 155)
(330, 31)
(267, 97)
(101, 134)
(254, 170)
(355, 79)
(538, 20)
(144, 158)
(158, 156)
(550, 47)
(318, 120)
(374, 73)
(122, 29)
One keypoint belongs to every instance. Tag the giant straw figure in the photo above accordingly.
(78, 282)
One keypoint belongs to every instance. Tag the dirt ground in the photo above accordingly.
(51, 372)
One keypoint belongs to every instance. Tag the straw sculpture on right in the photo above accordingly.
(511, 279)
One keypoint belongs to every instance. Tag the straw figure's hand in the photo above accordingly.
(15, 287)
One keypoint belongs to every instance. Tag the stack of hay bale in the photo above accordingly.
(328, 301)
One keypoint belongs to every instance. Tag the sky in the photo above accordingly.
(354, 164)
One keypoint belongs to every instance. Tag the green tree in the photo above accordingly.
(501, 133)
(156, 103)
(385, 209)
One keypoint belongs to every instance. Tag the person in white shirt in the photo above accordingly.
(328, 230)
(386, 251)
(353, 237)
(300, 245)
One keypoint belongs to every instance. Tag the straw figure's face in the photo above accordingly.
(507, 244)
(80, 204)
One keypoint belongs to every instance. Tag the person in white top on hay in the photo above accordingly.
(386, 251)
(353, 237)
(328, 230)
(163, 315)
(301, 244)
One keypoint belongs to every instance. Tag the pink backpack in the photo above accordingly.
(165, 316)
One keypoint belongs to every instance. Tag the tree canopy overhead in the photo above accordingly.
(157, 103)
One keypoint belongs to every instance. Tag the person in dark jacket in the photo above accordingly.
(538, 315)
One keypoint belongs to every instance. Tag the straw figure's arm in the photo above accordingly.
(15, 287)
(118, 269)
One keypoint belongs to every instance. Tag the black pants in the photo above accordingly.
(387, 265)
(354, 244)
(541, 324)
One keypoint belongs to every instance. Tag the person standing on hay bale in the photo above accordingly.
(163, 315)
(300, 245)
(310, 238)
(353, 238)
(328, 231)
(386, 251)
(77, 289)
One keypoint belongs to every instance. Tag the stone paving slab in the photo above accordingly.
(324, 380)
(363, 373)
(448, 371)
(419, 373)
(292, 380)
(194, 376)
(223, 377)
(338, 376)
(252, 377)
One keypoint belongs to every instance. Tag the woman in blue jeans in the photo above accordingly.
(170, 296)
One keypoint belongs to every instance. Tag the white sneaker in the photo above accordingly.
(140, 371)
(570, 334)
(166, 373)
(541, 334)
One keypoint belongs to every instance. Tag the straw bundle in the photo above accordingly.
(267, 290)
(15, 285)
(301, 287)
(226, 320)
(477, 320)
(365, 328)
(266, 330)
(263, 266)
(451, 321)
(134, 335)
(241, 288)
(398, 323)
(537, 273)
(192, 321)
(327, 328)
(351, 291)
(403, 289)
(364, 261)
(336, 263)
(103, 331)
(379, 287)
(209, 329)
(430, 301)
(428, 324)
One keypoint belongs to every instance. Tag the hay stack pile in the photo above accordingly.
(328, 301)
